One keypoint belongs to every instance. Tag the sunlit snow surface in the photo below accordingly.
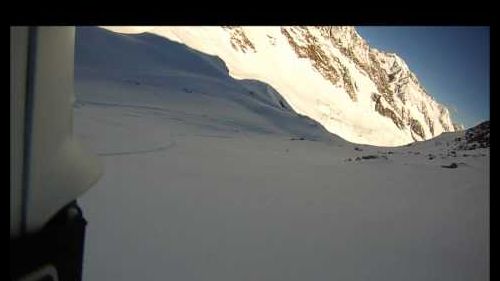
(210, 178)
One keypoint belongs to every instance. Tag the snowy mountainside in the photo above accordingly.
(329, 74)
(207, 177)
(185, 76)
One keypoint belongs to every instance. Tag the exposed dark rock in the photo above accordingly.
(329, 67)
(387, 112)
(282, 104)
(272, 40)
(430, 123)
(477, 137)
(416, 127)
(239, 41)
(451, 166)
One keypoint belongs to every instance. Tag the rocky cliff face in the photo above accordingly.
(398, 89)
(477, 137)
(307, 46)
(238, 40)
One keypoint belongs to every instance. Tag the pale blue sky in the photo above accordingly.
(452, 63)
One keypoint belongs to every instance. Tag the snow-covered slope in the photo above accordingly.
(188, 77)
(327, 73)
(211, 178)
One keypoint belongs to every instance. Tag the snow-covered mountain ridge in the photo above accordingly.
(328, 73)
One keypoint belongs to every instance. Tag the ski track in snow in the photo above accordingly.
(201, 120)
(141, 151)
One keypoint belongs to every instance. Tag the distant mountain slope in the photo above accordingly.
(329, 74)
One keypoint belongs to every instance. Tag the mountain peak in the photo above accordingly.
(330, 74)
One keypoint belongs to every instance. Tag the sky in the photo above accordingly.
(451, 63)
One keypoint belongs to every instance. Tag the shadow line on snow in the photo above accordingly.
(142, 151)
